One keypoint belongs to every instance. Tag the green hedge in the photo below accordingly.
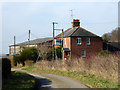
(6, 67)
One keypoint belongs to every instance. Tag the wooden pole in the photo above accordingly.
(14, 46)
(53, 43)
(62, 47)
(29, 38)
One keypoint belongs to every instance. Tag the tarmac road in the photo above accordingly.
(53, 81)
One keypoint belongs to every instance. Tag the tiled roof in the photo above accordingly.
(34, 42)
(76, 31)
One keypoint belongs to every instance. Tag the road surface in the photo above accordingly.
(53, 81)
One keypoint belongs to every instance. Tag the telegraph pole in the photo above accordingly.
(29, 38)
(54, 50)
(62, 47)
(53, 40)
(14, 46)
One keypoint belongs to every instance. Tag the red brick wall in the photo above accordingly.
(45, 44)
(94, 48)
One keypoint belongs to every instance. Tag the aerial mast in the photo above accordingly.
(71, 14)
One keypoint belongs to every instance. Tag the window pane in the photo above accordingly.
(79, 41)
(88, 41)
(83, 53)
(58, 42)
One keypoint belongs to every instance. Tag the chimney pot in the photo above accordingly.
(75, 23)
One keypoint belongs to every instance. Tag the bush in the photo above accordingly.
(104, 53)
(59, 52)
(30, 53)
(18, 59)
(27, 54)
(6, 67)
(106, 37)
(15, 60)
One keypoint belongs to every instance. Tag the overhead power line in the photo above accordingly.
(23, 34)
(33, 35)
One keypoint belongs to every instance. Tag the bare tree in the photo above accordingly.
(45, 52)
(114, 36)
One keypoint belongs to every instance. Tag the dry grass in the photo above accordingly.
(103, 66)
(29, 63)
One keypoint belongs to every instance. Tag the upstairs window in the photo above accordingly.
(79, 42)
(58, 42)
(64, 41)
(88, 41)
(83, 53)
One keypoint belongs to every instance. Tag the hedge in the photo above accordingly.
(6, 67)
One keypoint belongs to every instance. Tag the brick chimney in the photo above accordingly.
(75, 23)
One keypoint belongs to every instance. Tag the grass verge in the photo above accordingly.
(18, 80)
(89, 80)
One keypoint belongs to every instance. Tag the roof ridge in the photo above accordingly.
(35, 40)
(88, 31)
(64, 31)
(74, 31)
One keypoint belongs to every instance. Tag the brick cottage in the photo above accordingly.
(79, 42)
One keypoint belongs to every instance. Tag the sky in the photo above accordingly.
(18, 17)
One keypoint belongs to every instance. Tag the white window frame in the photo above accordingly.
(88, 41)
(83, 51)
(64, 41)
(79, 41)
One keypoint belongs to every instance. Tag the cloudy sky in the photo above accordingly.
(19, 17)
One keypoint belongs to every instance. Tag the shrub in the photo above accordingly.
(6, 67)
(104, 53)
(59, 52)
(106, 37)
(27, 54)
(18, 59)
(15, 60)
(30, 53)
